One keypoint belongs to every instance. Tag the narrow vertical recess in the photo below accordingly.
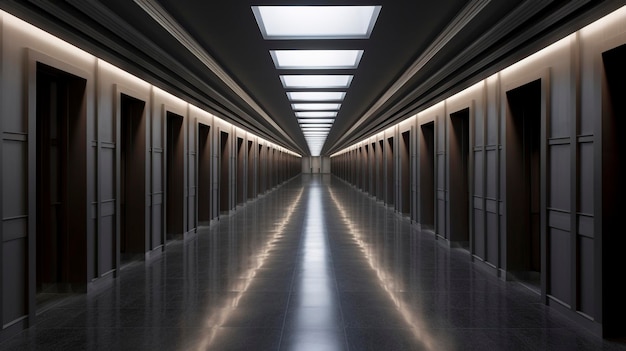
(132, 144)
(427, 176)
(459, 177)
(251, 170)
(390, 173)
(523, 149)
(405, 177)
(613, 191)
(224, 172)
(175, 176)
(204, 174)
(241, 184)
(61, 185)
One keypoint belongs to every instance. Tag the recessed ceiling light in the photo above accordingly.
(316, 125)
(316, 95)
(316, 114)
(315, 107)
(316, 120)
(316, 81)
(315, 129)
(316, 22)
(316, 59)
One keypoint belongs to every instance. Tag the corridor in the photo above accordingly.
(312, 265)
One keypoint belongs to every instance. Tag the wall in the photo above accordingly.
(98, 217)
(318, 164)
(569, 167)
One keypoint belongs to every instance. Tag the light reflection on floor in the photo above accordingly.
(313, 265)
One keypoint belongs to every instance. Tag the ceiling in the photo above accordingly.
(212, 53)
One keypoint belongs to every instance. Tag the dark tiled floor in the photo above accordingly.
(313, 265)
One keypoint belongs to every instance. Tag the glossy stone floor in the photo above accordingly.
(313, 265)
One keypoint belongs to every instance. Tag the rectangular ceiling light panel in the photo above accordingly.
(316, 95)
(316, 120)
(316, 114)
(315, 107)
(316, 125)
(316, 59)
(316, 22)
(316, 81)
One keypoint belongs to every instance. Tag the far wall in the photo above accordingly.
(318, 164)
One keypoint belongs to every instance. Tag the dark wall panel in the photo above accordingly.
(192, 182)
(586, 282)
(491, 206)
(158, 195)
(107, 242)
(586, 179)
(14, 228)
(559, 263)
(390, 171)
(559, 174)
(478, 174)
(14, 275)
(441, 194)
(106, 238)
(493, 242)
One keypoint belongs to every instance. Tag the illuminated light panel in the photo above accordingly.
(316, 59)
(316, 114)
(316, 22)
(316, 95)
(316, 125)
(316, 81)
(316, 120)
(316, 107)
(315, 129)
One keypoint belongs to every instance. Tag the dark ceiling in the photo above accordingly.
(419, 53)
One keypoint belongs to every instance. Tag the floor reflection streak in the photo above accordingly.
(417, 325)
(218, 319)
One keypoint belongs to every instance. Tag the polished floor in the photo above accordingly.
(313, 265)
